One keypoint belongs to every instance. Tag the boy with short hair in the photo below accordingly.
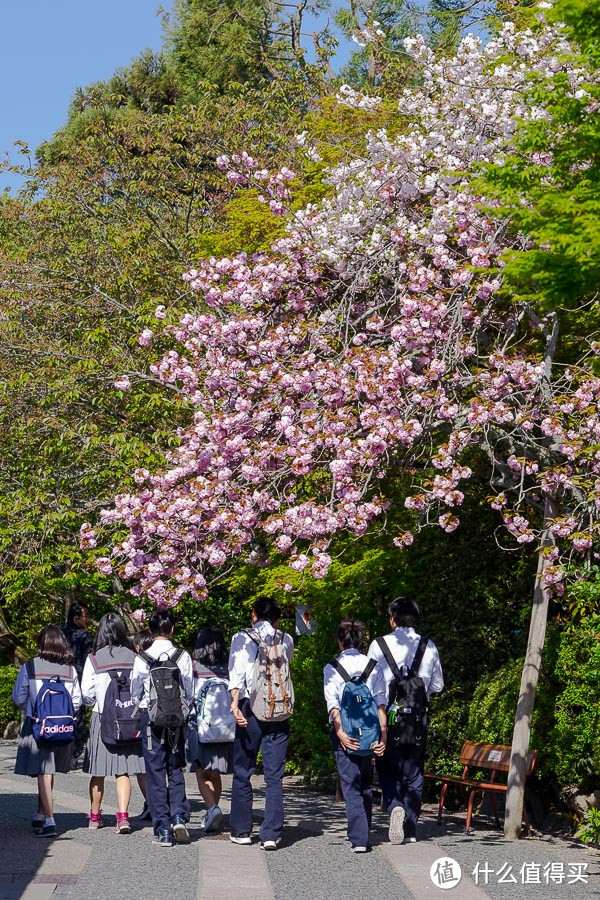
(354, 771)
(401, 768)
(253, 734)
(164, 753)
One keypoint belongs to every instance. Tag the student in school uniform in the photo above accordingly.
(211, 760)
(253, 734)
(164, 753)
(53, 657)
(354, 771)
(400, 769)
(112, 651)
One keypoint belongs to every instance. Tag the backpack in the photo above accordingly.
(272, 694)
(358, 710)
(214, 719)
(408, 704)
(53, 718)
(167, 706)
(117, 724)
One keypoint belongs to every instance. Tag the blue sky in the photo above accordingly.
(49, 47)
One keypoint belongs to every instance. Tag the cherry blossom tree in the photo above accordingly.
(376, 336)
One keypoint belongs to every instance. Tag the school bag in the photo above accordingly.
(272, 694)
(358, 710)
(53, 718)
(167, 706)
(120, 720)
(214, 719)
(408, 704)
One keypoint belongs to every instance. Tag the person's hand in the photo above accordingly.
(379, 749)
(239, 716)
(347, 742)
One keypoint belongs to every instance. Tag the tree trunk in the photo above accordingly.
(10, 649)
(515, 794)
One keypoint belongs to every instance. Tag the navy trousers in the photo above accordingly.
(400, 771)
(271, 738)
(355, 778)
(165, 784)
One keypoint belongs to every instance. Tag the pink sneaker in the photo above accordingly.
(123, 824)
(95, 820)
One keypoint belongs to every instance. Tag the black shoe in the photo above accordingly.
(164, 837)
(145, 815)
(47, 831)
(180, 832)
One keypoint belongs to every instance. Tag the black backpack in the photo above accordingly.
(408, 704)
(168, 709)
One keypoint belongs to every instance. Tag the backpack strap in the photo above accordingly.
(340, 669)
(416, 663)
(254, 635)
(368, 669)
(147, 658)
(177, 655)
(383, 646)
(30, 669)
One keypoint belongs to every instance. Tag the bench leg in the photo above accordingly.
(441, 805)
(494, 800)
(470, 809)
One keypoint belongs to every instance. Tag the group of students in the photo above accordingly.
(213, 712)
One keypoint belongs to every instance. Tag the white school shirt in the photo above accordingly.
(94, 685)
(355, 663)
(25, 691)
(403, 643)
(140, 677)
(243, 653)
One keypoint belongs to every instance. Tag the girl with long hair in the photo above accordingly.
(112, 655)
(209, 760)
(53, 659)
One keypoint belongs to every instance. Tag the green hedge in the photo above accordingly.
(566, 719)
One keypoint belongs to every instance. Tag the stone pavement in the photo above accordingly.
(314, 861)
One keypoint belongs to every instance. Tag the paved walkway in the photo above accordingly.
(314, 861)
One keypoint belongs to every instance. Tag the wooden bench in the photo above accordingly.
(490, 757)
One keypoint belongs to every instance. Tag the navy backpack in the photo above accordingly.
(53, 718)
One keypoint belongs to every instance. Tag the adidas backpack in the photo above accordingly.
(272, 694)
(408, 704)
(214, 719)
(358, 710)
(53, 718)
(117, 724)
(167, 706)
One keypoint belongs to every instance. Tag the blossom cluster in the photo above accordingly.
(369, 336)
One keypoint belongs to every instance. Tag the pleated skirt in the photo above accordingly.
(101, 760)
(33, 760)
(216, 757)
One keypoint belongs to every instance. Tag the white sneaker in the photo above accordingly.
(212, 819)
(411, 840)
(240, 838)
(396, 830)
(269, 845)
(359, 849)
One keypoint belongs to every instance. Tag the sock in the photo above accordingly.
(49, 821)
